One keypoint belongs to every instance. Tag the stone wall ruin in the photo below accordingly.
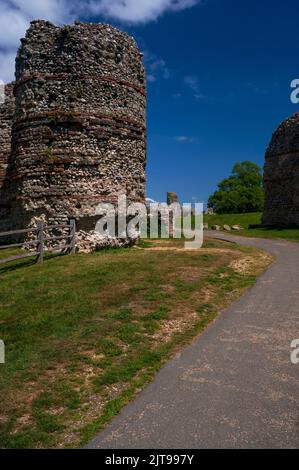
(281, 176)
(79, 131)
(7, 110)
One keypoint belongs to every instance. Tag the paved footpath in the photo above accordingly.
(234, 386)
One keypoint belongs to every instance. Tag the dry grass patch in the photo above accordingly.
(249, 265)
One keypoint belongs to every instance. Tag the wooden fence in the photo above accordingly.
(41, 239)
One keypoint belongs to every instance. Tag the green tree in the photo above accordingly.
(240, 193)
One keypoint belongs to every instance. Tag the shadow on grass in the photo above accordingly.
(279, 228)
(11, 266)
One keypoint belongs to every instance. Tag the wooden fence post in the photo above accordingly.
(72, 237)
(40, 240)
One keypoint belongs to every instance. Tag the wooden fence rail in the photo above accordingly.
(68, 248)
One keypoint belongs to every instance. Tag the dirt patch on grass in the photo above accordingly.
(184, 318)
(3, 419)
(191, 274)
(93, 355)
(251, 264)
(89, 411)
(23, 422)
(170, 289)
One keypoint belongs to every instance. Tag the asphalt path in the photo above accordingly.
(235, 385)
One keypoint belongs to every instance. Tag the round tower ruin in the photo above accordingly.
(7, 110)
(281, 176)
(79, 134)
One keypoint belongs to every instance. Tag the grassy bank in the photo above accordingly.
(85, 333)
(252, 226)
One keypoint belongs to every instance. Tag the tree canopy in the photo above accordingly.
(240, 193)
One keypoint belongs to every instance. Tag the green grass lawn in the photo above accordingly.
(252, 226)
(85, 333)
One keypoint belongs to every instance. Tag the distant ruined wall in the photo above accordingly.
(7, 110)
(281, 175)
(172, 198)
(79, 136)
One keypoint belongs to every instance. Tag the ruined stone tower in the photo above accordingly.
(6, 117)
(79, 133)
(281, 176)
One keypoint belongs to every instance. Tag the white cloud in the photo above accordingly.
(192, 82)
(137, 11)
(7, 66)
(16, 15)
(159, 66)
(184, 138)
(151, 78)
(156, 67)
(12, 26)
(256, 88)
(14, 20)
(53, 10)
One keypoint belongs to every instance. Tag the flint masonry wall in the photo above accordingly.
(281, 175)
(79, 135)
(6, 118)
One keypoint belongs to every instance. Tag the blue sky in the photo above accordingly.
(219, 74)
